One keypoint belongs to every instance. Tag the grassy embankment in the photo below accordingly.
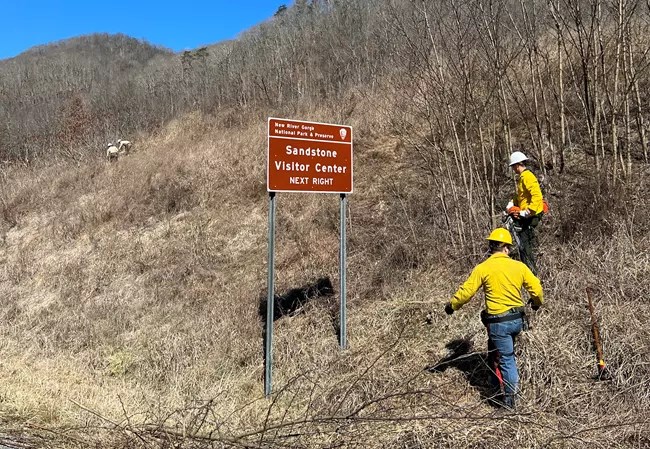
(130, 295)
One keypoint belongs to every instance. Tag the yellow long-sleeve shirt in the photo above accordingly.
(501, 278)
(529, 194)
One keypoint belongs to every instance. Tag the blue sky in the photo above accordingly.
(178, 25)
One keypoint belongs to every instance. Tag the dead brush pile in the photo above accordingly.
(130, 297)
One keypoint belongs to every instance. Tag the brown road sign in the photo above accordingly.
(309, 157)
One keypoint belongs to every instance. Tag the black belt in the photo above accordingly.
(513, 314)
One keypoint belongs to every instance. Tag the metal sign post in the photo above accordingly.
(306, 157)
(270, 299)
(342, 270)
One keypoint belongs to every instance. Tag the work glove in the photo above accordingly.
(524, 213)
(514, 211)
(449, 309)
(510, 204)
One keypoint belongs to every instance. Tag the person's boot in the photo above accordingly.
(509, 401)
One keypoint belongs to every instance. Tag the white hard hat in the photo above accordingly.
(517, 157)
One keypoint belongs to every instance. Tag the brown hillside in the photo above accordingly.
(131, 291)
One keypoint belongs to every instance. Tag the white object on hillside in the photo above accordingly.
(124, 146)
(112, 152)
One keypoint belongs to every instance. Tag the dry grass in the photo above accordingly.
(130, 300)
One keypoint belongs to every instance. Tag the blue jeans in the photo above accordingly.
(501, 350)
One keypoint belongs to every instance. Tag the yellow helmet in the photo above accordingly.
(500, 235)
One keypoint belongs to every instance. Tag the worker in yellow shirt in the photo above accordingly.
(502, 279)
(526, 208)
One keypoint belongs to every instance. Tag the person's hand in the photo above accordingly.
(533, 306)
(524, 213)
(449, 309)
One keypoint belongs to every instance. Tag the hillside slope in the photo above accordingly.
(130, 309)
(132, 293)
